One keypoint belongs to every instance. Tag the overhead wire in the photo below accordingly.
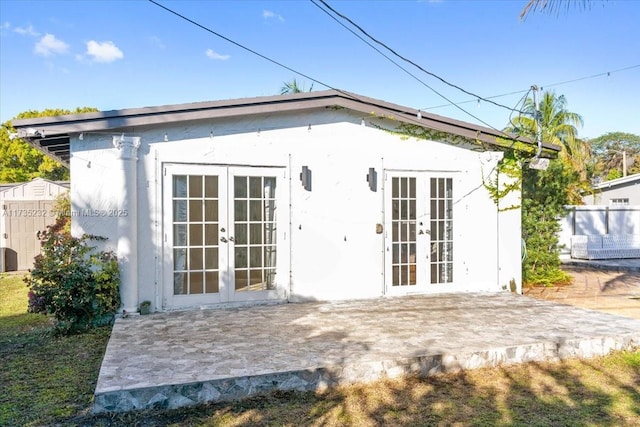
(411, 62)
(606, 73)
(384, 45)
(593, 76)
(209, 30)
(451, 103)
(522, 100)
(398, 65)
(347, 94)
(273, 61)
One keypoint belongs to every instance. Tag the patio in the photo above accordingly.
(178, 359)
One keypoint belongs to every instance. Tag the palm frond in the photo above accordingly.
(552, 6)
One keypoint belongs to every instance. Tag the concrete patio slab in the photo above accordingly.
(169, 360)
(611, 288)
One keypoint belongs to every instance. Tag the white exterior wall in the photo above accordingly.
(335, 250)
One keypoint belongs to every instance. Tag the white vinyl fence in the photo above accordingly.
(598, 220)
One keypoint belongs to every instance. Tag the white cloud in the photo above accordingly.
(267, 14)
(103, 51)
(5, 25)
(215, 55)
(49, 45)
(28, 31)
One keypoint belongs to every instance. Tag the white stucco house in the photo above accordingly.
(309, 196)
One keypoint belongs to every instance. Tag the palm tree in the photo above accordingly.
(292, 87)
(560, 127)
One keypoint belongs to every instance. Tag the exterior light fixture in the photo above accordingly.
(305, 178)
(372, 179)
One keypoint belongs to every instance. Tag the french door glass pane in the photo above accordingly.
(179, 283)
(255, 233)
(180, 186)
(195, 234)
(403, 226)
(211, 187)
(195, 186)
(441, 230)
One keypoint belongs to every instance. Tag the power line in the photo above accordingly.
(475, 100)
(405, 70)
(273, 61)
(398, 65)
(606, 73)
(522, 100)
(346, 18)
(209, 30)
(347, 94)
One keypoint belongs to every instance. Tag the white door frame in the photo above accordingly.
(225, 241)
(408, 246)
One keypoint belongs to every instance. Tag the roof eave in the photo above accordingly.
(52, 134)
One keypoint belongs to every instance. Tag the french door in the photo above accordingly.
(223, 234)
(419, 231)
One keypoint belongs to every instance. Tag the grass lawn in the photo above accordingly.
(48, 381)
(45, 379)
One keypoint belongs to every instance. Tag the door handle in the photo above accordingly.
(223, 239)
(231, 239)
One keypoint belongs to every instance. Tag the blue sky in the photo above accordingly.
(125, 54)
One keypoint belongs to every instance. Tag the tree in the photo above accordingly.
(553, 5)
(544, 197)
(546, 193)
(610, 150)
(293, 87)
(559, 127)
(20, 162)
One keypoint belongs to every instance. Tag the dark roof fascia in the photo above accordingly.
(47, 128)
(436, 122)
(117, 119)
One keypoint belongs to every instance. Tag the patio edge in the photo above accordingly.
(316, 379)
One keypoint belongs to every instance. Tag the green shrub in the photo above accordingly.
(73, 280)
(544, 196)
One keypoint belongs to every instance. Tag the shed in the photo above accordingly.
(311, 196)
(26, 209)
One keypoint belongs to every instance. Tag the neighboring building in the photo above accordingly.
(617, 192)
(26, 209)
(307, 196)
